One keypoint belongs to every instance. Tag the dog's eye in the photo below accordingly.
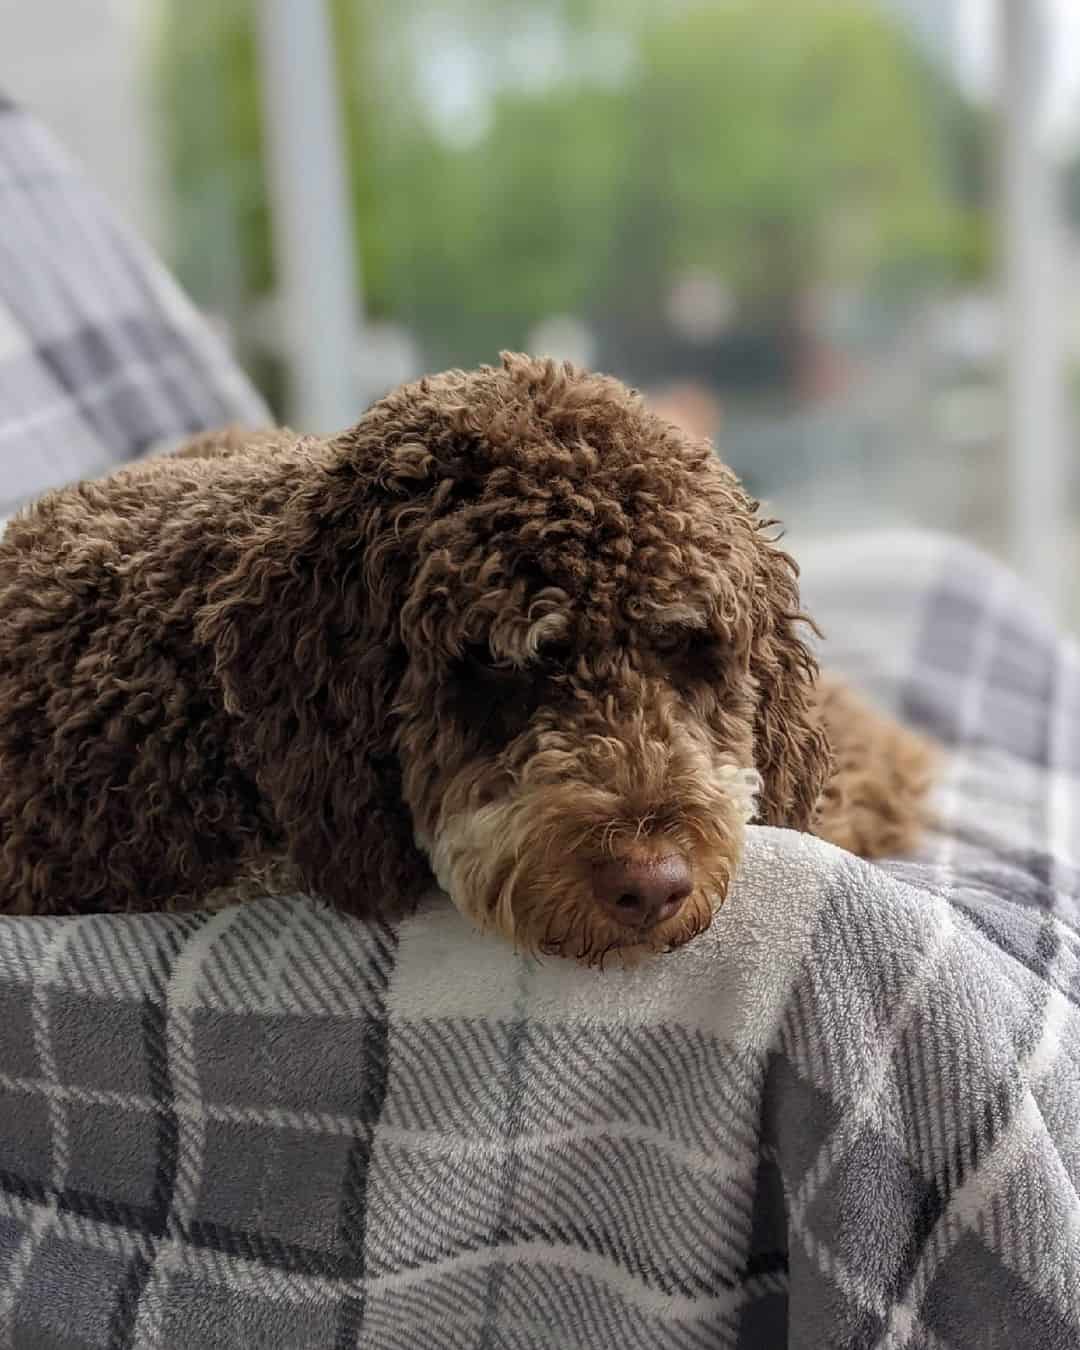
(688, 654)
(477, 660)
(555, 657)
(494, 701)
(676, 641)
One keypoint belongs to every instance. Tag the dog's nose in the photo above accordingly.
(642, 892)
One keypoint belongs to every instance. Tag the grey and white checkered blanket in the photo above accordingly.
(101, 356)
(848, 1116)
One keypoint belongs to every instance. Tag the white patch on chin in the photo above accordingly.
(742, 786)
(477, 833)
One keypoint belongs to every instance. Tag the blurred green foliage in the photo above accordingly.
(780, 143)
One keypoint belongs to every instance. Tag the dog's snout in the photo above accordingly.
(640, 893)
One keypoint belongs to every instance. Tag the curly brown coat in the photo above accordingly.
(508, 628)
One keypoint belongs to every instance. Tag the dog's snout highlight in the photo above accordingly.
(642, 892)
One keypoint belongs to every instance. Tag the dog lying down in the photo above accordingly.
(511, 631)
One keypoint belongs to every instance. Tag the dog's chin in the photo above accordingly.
(549, 920)
(535, 888)
(592, 940)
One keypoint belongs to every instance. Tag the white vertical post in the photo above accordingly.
(311, 219)
(1032, 276)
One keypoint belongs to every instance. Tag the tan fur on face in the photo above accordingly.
(522, 864)
(507, 626)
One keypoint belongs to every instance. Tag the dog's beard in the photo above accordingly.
(523, 865)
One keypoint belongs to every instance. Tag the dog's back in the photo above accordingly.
(118, 782)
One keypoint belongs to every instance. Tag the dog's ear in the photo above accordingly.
(791, 747)
(302, 628)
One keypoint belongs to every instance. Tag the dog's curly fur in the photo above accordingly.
(507, 626)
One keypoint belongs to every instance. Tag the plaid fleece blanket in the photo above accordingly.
(101, 356)
(848, 1116)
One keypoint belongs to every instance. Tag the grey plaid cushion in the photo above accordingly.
(101, 356)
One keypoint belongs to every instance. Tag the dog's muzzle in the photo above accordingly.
(577, 869)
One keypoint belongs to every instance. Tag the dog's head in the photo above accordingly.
(550, 649)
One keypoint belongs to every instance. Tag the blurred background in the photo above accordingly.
(841, 237)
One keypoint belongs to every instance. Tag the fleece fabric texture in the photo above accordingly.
(101, 356)
(848, 1116)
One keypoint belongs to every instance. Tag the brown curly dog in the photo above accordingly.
(511, 630)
